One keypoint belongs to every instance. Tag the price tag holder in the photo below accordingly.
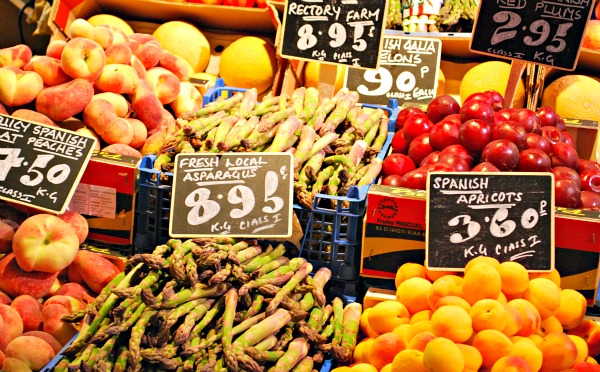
(40, 165)
(408, 71)
(505, 215)
(233, 194)
(542, 32)
(346, 32)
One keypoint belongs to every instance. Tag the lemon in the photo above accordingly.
(248, 62)
(109, 19)
(574, 97)
(311, 76)
(490, 75)
(185, 40)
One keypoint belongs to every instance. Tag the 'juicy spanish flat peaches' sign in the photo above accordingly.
(347, 32)
(545, 32)
(40, 166)
(505, 215)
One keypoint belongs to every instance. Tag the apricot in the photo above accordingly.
(544, 294)
(421, 315)
(527, 350)
(493, 345)
(515, 278)
(472, 357)
(361, 351)
(514, 321)
(529, 314)
(420, 340)
(384, 348)
(413, 294)
(363, 367)
(511, 363)
(559, 352)
(481, 281)
(418, 327)
(482, 259)
(549, 325)
(448, 285)
(387, 315)
(386, 368)
(453, 300)
(443, 355)
(434, 275)
(572, 308)
(409, 360)
(553, 275)
(488, 314)
(452, 322)
(583, 350)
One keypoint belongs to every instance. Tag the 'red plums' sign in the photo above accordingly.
(505, 215)
(40, 165)
(543, 32)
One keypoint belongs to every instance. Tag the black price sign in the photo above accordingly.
(234, 194)
(505, 215)
(40, 165)
(546, 32)
(347, 32)
(408, 70)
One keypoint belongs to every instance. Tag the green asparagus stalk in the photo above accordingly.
(270, 356)
(267, 344)
(370, 135)
(121, 360)
(307, 140)
(311, 102)
(299, 275)
(249, 253)
(268, 326)
(135, 340)
(279, 280)
(267, 123)
(322, 142)
(305, 365)
(189, 294)
(260, 261)
(268, 104)
(340, 112)
(338, 319)
(297, 350)
(234, 137)
(268, 267)
(223, 105)
(343, 349)
(231, 301)
(207, 318)
(313, 165)
(257, 139)
(372, 172)
(297, 99)
(199, 127)
(86, 330)
(183, 331)
(222, 130)
(248, 102)
(379, 141)
(286, 131)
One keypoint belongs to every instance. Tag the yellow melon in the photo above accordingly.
(109, 19)
(311, 76)
(490, 75)
(186, 41)
(248, 62)
(574, 97)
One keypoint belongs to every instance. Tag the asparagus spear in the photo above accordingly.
(224, 105)
(183, 331)
(285, 133)
(268, 326)
(343, 349)
(268, 267)
(311, 102)
(305, 365)
(340, 112)
(222, 130)
(137, 331)
(231, 301)
(297, 350)
(189, 294)
(249, 253)
(322, 142)
(302, 272)
(121, 360)
(298, 101)
(260, 261)
(372, 172)
(307, 140)
(248, 102)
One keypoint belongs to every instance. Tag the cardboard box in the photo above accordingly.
(105, 196)
(394, 233)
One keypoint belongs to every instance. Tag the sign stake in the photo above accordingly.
(516, 71)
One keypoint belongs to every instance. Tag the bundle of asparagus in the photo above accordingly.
(213, 304)
(334, 140)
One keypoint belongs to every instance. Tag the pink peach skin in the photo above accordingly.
(30, 311)
(188, 100)
(3, 109)
(95, 270)
(15, 281)
(140, 133)
(174, 64)
(54, 325)
(15, 365)
(19, 87)
(119, 148)
(164, 83)
(117, 78)
(7, 233)
(17, 56)
(32, 350)
(146, 106)
(146, 48)
(12, 326)
(63, 101)
(77, 222)
(70, 303)
(54, 344)
(100, 116)
(138, 66)
(55, 48)
(83, 58)
(4, 298)
(30, 115)
(119, 52)
(49, 69)
(77, 291)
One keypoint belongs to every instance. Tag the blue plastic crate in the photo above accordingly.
(332, 236)
(58, 357)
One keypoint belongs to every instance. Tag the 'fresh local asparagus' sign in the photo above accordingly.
(546, 32)
(233, 194)
(347, 32)
(408, 71)
(40, 165)
(507, 215)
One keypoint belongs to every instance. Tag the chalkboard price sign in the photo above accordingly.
(347, 32)
(506, 215)
(408, 70)
(40, 166)
(233, 194)
(545, 32)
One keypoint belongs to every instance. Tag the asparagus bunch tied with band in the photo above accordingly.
(309, 126)
(263, 312)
